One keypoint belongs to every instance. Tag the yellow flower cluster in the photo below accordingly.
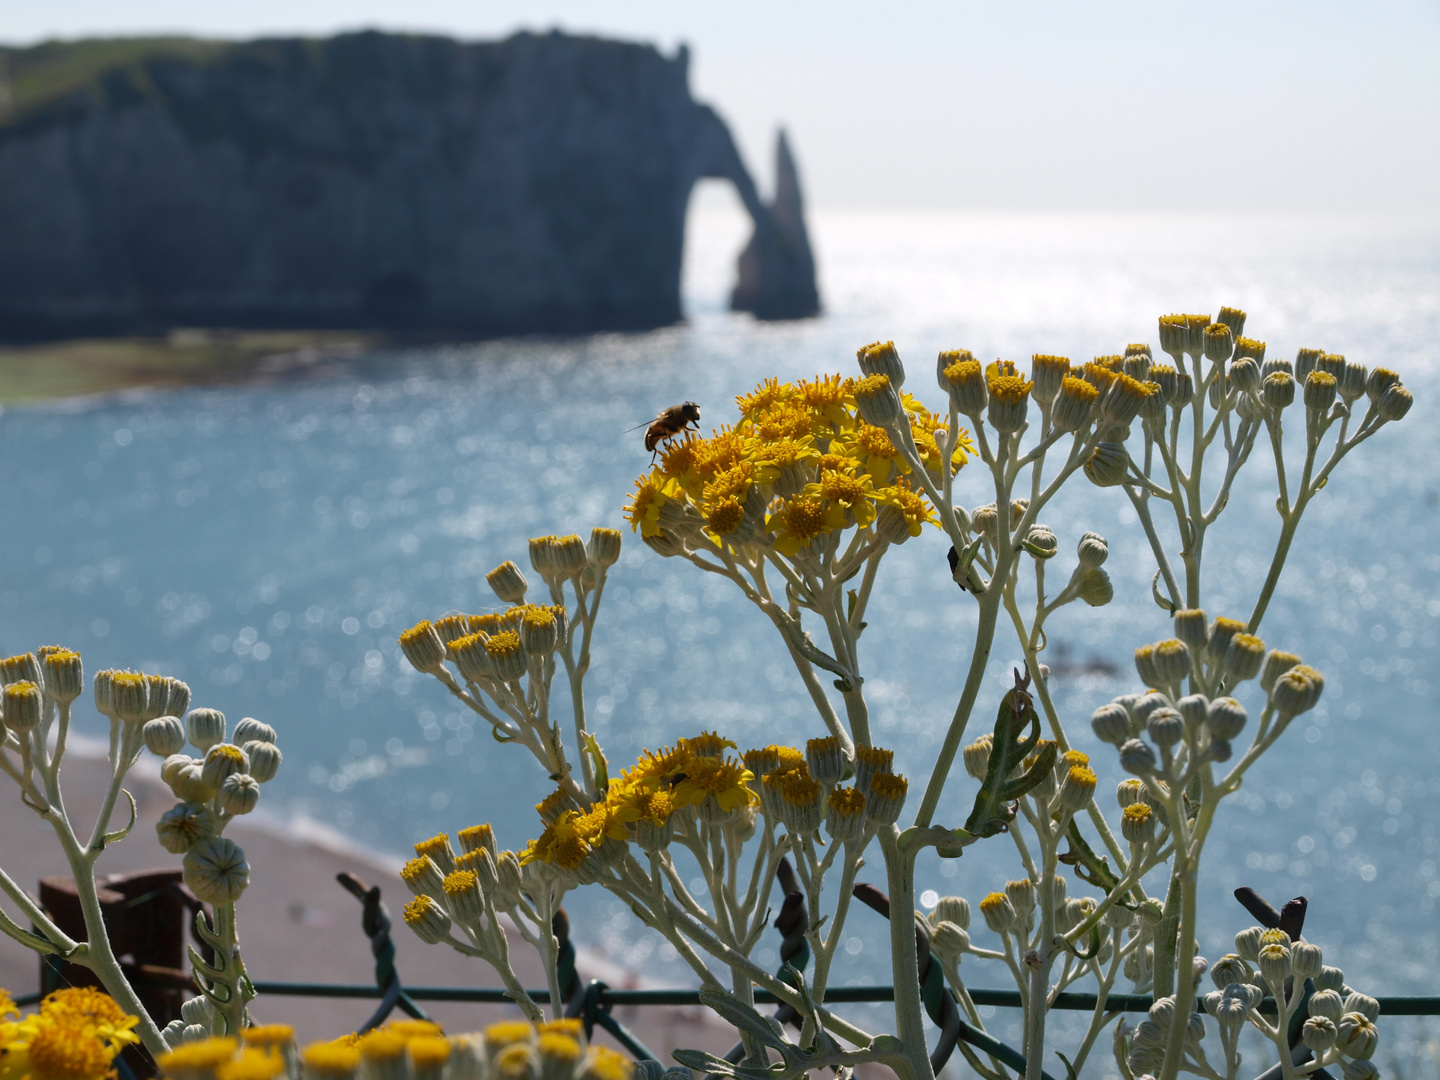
(407, 1050)
(641, 804)
(800, 464)
(494, 647)
(75, 1035)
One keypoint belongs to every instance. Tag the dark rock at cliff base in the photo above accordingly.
(777, 269)
(368, 180)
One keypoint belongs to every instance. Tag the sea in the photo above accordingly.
(268, 542)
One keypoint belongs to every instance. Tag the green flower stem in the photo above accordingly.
(904, 960)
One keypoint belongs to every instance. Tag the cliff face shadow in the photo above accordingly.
(367, 181)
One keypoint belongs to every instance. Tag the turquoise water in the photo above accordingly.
(267, 543)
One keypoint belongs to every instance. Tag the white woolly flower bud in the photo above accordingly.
(999, 913)
(1359, 1070)
(952, 909)
(422, 876)
(1092, 550)
(1330, 978)
(239, 793)
(1137, 823)
(1243, 658)
(1166, 727)
(1226, 718)
(187, 785)
(507, 582)
(1245, 376)
(1319, 1033)
(1278, 391)
(1108, 465)
(1363, 1004)
(1306, 960)
(1191, 627)
(604, 546)
(223, 760)
(183, 826)
(881, 358)
(976, 756)
(1394, 403)
(949, 942)
(1193, 708)
(216, 871)
(1356, 1035)
(878, 401)
(1297, 690)
(1275, 965)
(1111, 723)
(1230, 968)
(1137, 757)
(1094, 587)
(64, 675)
(1326, 1003)
(428, 919)
(1247, 943)
(206, 728)
(264, 760)
(1276, 664)
(251, 730)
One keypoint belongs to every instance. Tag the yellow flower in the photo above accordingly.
(637, 803)
(911, 504)
(654, 768)
(707, 744)
(831, 397)
(723, 450)
(599, 822)
(850, 493)
(650, 494)
(58, 1046)
(560, 844)
(251, 1065)
(876, 453)
(788, 421)
(765, 396)
(336, 1058)
(771, 458)
(726, 779)
(796, 522)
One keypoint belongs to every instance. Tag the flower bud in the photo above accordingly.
(23, 706)
(1394, 403)
(1245, 376)
(1111, 723)
(1319, 1035)
(507, 582)
(1297, 690)
(845, 814)
(477, 837)
(1171, 659)
(1243, 657)
(962, 377)
(1356, 1036)
(882, 359)
(1249, 347)
(1129, 792)
(507, 656)
(423, 877)
(1326, 1003)
(1363, 1004)
(1226, 718)
(1077, 789)
(251, 730)
(1092, 550)
(239, 793)
(422, 646)
(1359, 1070)
(1278, 391)
(540, 630)
(1009, 397)
(427, 919)
(1276, 664)
(604, 547)
(949, 942)
(1378, 381)
(1041, 538)
(1320, 391)
(1219, 343)
(1247, 943)
(1352, 381)
(1221, 631)
(542, 556)
(223, 759)
(507, 893)
(171, 766)
(1166, 727)
(1275, 966)
(977, 757)
(952, 909)
(1193, 708)
(264, 760)
(1094, 587)
(63, 674)
(826, 760)
(1075, 406)
(1330, 978)
(461, 889)
(1137, 823)
(183, 826)
(164, 736)
(1219, 750)
(216, 871)
(206, 728)
(1230, 969)
(187, 785)
(129, 695)
(885, 799)
(999, 913)
(1305, 960)
(166, 697)
(877, 401)
(1108, 465)
(1047, 373)
(1137, 757)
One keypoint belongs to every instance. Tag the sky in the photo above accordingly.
(1309, 108)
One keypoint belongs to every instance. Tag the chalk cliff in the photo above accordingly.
(366, 180)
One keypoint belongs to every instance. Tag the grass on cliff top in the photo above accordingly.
(184, 358)
(32, 76)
